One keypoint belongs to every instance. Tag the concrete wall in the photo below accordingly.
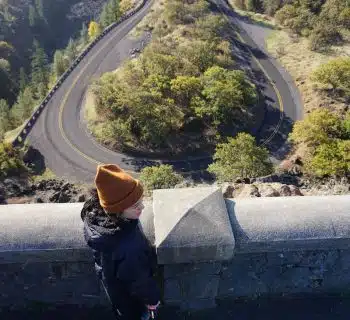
(208, 249)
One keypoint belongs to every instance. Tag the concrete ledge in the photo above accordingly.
(290, 223)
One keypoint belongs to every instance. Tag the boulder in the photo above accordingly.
(81, 198)
(227, 190)
(295, 191)
(64, 197)
(285, 191)
(54, 197)
(249, 191)
(268, 191)
(38, 200)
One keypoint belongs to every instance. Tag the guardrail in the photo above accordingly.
(22, 135)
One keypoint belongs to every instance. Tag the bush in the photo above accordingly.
(162, 177)
(334, 74)
(11, 162)
(319, 127)
(330, 159)
(323, 36)
(240, 158)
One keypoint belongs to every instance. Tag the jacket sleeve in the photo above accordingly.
(136, 272)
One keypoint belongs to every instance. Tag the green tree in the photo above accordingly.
(159, 177)
(185, 88)
(125, 5)
(23, 79)
(320, 127)
(60, 64)
(11, 162)
(71, 51)
(84, 35)
(23, 108)
(332, 159)
(32, 16)
(39, 65)
(334, 74)
(40, 8)
(226, 92)
(5, 122)
(240, 157)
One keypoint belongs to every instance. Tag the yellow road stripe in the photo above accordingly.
(279, 97)
(63, 105)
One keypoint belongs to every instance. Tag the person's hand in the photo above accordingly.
(153, 307)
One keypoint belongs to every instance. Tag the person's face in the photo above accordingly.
(134, 211)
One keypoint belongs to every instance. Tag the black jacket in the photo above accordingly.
(125, 261)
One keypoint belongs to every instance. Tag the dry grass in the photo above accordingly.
(90, 114)
(149, 21)
(296, 57)
(46, 175)
(11, 135)
(257, 17)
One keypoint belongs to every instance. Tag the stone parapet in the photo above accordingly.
(208, 248)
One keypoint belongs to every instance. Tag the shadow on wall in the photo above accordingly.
(239, 234)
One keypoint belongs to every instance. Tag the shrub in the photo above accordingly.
(240, 157)
(10, 160)
(319, 127)
(162, 177)
(334, 74)
(330, 159)
(323, 36)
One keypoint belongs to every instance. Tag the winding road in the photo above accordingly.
(60, 134)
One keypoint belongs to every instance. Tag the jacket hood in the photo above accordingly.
(102, 232)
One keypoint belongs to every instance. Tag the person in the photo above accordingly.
(125, 261)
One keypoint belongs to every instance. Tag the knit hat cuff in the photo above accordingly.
(118, 207)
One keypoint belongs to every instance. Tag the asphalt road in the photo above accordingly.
(69, 151)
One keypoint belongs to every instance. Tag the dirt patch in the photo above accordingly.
(295, 56)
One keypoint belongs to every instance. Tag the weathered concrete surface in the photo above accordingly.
(290, 223)
(284, 246)
(191, 224)
(286, 273)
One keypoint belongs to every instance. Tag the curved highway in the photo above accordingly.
(69, 151)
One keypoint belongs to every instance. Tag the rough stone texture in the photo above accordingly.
(50, 282)
(189, 285)
(249, 191)
(290, 222)
(191, 225)
(294, 272)
(268, 191)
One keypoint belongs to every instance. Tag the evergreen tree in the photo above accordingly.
(104, 22)
(40, 8)
(32, 16)
(23, 107)
(23, 79)
(59, 64)
(39, 65)
(4, 117)
(84, 36)
(71, 51)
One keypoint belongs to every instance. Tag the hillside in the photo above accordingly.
(51, 23)
(184, 92)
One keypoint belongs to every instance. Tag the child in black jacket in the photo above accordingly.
(125, 261)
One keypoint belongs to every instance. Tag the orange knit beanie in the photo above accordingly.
(116, 189)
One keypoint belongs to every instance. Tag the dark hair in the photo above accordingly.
(92, 210)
